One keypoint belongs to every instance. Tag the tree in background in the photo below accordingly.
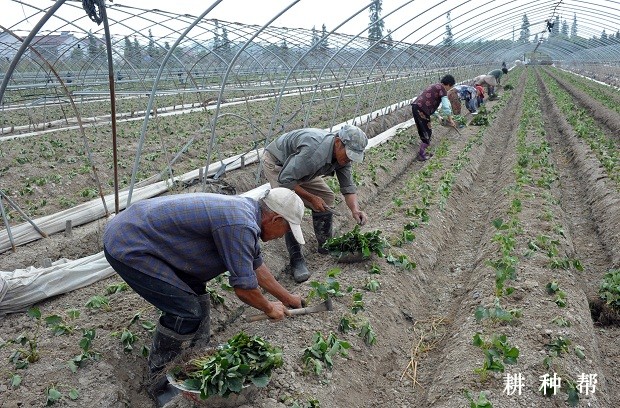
(77, 53)
(375, 28)
(555, 30)
(92, 46)
(604, 38)
(564, 30)
(217, 42)
(151, 51)
(315, 37)
(136, 53)
(448, 40)
(225, 42)
(573, 29)
(524, 35)
(128, 51)
(324, 44)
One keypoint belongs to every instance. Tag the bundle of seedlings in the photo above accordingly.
(241, 362)
(355, 246)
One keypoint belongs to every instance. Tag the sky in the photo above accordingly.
(421, 21)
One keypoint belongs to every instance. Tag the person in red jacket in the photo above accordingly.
(425, 105)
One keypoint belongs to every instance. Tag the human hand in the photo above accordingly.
(360, 217)
(277, 311)
(318, 204)
(451, 122)
(295, 302)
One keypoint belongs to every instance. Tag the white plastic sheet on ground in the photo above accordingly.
(22, 288)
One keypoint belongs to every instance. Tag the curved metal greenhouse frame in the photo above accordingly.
(63, 71)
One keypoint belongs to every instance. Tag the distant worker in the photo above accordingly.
(480, 95)
(455, 101)
(297, 160)
(491, 80)
(469, 94)
(425, 105)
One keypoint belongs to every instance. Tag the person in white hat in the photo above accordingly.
(297, 160)
(167, 248)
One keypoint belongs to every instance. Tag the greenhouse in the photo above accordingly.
(490, 274)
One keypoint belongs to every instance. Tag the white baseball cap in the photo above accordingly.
(286, 203)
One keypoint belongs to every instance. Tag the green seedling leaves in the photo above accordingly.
(216, 298)
(609, 289)
(558, 346)
(329, 288)
(561, 321)
(74, 394)
(16, 380)
(34, 312)
(346, 324)
(73, 313)
(497, 352)
(116, 288)
(375, 269)
(98, 302)
(580, 352)
(368, 334)
(357, 304)
(322, 351)
(53, 395)
(372, 285)
(401, 261)
(480, 402)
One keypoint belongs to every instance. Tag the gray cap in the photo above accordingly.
(355, 141)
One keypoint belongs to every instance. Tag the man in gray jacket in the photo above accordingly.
(297, 160)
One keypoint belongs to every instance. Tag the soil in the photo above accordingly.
(423, 318)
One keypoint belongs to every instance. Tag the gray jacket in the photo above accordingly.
(305, 154)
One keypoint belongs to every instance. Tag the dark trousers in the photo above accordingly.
(422, 123)
(181, 310)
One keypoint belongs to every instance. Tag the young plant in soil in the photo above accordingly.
(54, 395)
(497, 352)
(560, 296)
(87, 352)
(241, 361)
(609, 289)
(27, 351)
(322, 351)
(329, 288)
(402, 261)
(480, 402)
(368, 334)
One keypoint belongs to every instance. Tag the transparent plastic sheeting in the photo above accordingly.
(22, 288)
(94, 210)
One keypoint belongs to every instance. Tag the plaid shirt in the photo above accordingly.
(201, 235)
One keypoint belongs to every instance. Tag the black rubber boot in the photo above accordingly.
(322, 223)
(298, 263)
(166, 346)
(203, 334)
